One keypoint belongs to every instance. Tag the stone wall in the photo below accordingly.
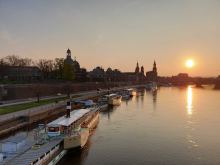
(32, 90)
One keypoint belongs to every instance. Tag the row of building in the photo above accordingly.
(99, 74)
(33, 73)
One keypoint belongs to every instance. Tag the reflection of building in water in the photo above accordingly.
(142, 96)
(107, 113)
(154, 94)
(189, 100)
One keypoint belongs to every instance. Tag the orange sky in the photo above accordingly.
(116, 33)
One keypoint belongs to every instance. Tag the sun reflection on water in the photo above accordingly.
(189, 100)
(192, 142)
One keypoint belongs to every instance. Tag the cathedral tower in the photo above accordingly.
(137, 69)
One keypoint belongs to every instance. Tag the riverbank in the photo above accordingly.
(23, 106)
(24, 118)
(16, 91)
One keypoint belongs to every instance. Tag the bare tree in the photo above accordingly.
(14, 60)
(46, 66)
(25, 62)
(3, 66)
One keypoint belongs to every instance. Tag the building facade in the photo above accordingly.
(21, 73)
(152, 75)
(97, 74)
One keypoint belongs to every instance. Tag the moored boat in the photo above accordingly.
(76, 128)
(114, 99)
(131, 92)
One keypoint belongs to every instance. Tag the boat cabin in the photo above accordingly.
(64, 125)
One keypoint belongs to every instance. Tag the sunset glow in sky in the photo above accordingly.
(190, 63)
(116, 33)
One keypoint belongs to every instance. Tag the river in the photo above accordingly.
(170, 126)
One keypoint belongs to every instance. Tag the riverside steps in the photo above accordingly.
(14, 121)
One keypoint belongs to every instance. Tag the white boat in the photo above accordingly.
(131, 92)
(125, 96)
(77, 139)
(114, 99)
(75, 129)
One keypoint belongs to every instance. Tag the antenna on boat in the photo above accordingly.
(68, 108)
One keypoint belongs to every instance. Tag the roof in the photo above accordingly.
(14, 139)
(74, 116)
(111, 95)
(33, 154)
(130, 89)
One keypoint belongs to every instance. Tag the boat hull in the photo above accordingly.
(93, 123)
(114, 101)
(133, 93)
(75, 141)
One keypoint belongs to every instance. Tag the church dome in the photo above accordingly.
(76, 65)
(69, 60)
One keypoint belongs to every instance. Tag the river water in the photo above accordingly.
(171, 126)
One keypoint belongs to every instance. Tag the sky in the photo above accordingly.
(116, 33)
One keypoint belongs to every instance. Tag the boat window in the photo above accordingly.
(53, 129)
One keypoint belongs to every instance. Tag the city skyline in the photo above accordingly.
(116, 34)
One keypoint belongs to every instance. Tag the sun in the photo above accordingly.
(189, 63)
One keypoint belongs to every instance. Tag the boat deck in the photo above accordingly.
(33, 154)
(14, 155)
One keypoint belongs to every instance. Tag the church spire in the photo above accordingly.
(137, 69)
(142, 69)
(155, 67)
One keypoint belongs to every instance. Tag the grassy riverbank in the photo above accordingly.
(23, 106)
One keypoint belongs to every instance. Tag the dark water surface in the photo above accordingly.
(172, 126)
